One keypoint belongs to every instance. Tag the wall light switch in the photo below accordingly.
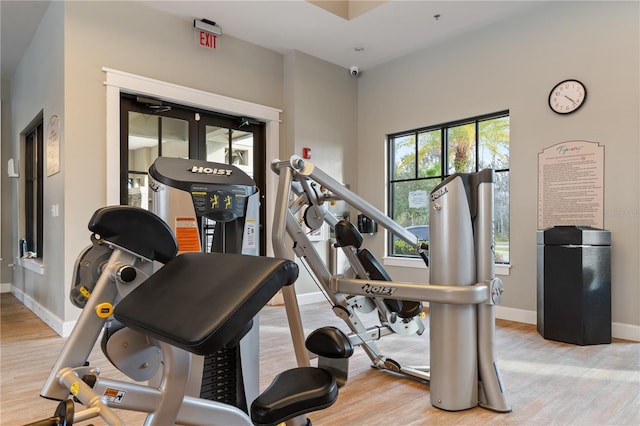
(54, 210)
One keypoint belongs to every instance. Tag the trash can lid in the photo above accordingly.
(571, 234)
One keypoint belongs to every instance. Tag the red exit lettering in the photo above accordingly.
(208, 39)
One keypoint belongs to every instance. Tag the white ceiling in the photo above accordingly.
(393, 29)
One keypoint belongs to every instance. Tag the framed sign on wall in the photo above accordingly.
(53, 145)
(571, 185)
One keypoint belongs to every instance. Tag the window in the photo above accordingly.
(32, 246)
(420, 159)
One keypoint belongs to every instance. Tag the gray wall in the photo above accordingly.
(321, 114)
(132, 37)
(38, 86)
(513, 65)
(6, 189)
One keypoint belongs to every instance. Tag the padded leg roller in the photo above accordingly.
(333, 348)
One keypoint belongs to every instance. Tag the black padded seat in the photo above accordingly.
(135, 229)
(304, 389)
(292, 393)
(202, 302)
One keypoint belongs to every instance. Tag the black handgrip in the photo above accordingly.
(424, 248)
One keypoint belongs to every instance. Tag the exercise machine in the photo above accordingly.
(213, 207)
(196, 303)
(462, 289)
(205, 207)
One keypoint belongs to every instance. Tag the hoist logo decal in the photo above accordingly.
(210, 171)
(379, 290)
(439, 193)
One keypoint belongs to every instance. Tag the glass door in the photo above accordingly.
(240, 142)
(150, 128)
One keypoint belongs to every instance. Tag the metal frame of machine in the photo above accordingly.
(165, 306)
(462, 292)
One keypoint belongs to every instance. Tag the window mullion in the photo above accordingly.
(477, 147)
(29, 191)
(444, 152)
(416, 147)
(230, 137)
(40, 191)
(159, 136)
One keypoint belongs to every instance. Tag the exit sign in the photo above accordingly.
(207, 39)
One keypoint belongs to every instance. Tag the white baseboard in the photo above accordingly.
(53, 321)
(5, 287)
(517, 315)
(625, 331)
(308, 298)
(618, 330)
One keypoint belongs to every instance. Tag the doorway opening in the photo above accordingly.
(151, 128)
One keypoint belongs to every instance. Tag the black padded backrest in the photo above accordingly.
(201, 302)
(347, 234)
(404, 308)
(373, 267)
(136, 230)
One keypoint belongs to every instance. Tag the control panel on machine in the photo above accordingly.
(224, 203)
(218, 191)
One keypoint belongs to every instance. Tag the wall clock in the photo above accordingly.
(567, 96)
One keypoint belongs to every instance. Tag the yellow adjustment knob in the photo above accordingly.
(104, 310)
(86, 293)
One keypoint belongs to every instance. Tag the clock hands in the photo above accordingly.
(570, 99)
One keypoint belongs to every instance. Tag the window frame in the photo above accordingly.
(33, 191)
(443, 128)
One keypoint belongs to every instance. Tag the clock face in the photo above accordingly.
(567, 96)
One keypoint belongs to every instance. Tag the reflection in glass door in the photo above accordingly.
(151, 128)
(227, 146)
(147, 134)
(143, 149)
(230, 146)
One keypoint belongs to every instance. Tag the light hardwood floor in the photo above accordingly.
(547, 383)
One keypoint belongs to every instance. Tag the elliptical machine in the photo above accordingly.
(213, 207)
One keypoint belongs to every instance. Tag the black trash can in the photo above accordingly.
(574, 284)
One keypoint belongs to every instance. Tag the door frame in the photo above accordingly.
(119, 81)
